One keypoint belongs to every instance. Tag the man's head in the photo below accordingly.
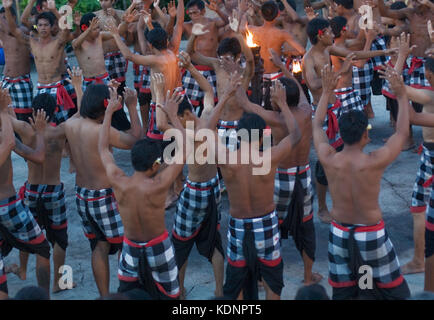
(146, 155)
(44, 22)
(312, 292)
(254, 125)
(85, 24)
(353, 127)
(343, 5)
(339, 26)
(32, 293)
(157, 38)
(229, 47)
(185, 111)
(195, 9)
(41, 5)
(319, 31)
(92, 103)
(429, 70)
(292, 91)
(45, 102)
(270, 10)
(105, 4)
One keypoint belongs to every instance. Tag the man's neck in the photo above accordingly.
(319, 47)
(348, 13)
(353, 148)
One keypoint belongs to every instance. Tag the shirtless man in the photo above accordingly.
(426, 120)
(227, 61)
(147, 260)
(88, 48)
(17, 68)
(95, 201)
(18, 228)
(268, 37)
(357, 233)
(44, 192)
(253, 227)
(293, 186)
(314, 60)
(115, 63)
(206, 43)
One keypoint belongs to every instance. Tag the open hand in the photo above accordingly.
(198, 29)
(130, 97)
(329, 79)
(278, 95)
(184, 60)
(76, 75)
(115, 101)
(39, 120)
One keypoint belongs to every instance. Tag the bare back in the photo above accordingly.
(167, 65)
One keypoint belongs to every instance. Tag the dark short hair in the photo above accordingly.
(398, 5)
(46, 16)
(290, 2)
(314, 26)
(13, 12)
(229, 45)
(352, 125)
(45, 102)
(32, 293)
(292, 91)
(251, 121)
(185, 105)
(92, 103)
(198, 3)
(312, 292)
(337, 24)
(87, 19)
(269, 10)
(429, 64)
(157, 37)
(144, 153)
(347, 4)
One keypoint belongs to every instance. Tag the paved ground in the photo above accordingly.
(394, 200)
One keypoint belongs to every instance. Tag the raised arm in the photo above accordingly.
(76, 75)
(385, 11)
(250, 61)
(13, 28)
(177, 32)
(171, 9)
(294, 43)
(7, 141)
(114, 173)
(86, 30)
(320, 140)
(196, 56)
(343, 52)
(130, 98)
(26, 14)
(404, 51)
(160, 13)
(223, 17)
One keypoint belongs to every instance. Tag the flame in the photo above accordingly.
(249, 40)
(296, 66)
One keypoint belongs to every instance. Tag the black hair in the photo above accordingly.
(429, 64)
(144, 153)
(312, 292)
(229, 45)
(92, 103)
(45, 102)
(292, 91)
(352, 125)
(314, 26)
(290, 2)
(337, 24)
(46, 16)
(397, 6)
(13, 12)
(184, 105)
(198, 3)
(87, 19)
(32, 293)
(157, 37)
(251, 121)
(347, 4)
(40, 2)
(269, 10)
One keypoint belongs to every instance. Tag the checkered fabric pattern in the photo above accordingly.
(17, 219)
(192, 206)
(101, 207)
(153, 131)
(145, 80)
(227, 130)
(160, 255)
(3, 278)
(116, 65)
(429, 230)
(362, 78)
(192, 88)
(284, 182)
(266, 235)
(21, 92)
(378, 44)
(386, 90)
(267, 81)
(53, 197)
(69, 87)
(423, 185)
(104, 79)
(376, 251)
(416, 73)
(61, 115)
(350, 100)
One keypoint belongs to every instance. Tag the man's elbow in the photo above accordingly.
(10, 145)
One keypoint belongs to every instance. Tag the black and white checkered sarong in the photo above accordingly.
(423, 185)
(21, 92)
(192, 88)
(362, 78)
(116, 65)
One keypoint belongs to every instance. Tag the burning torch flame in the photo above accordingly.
(249, 40)
(296, 66)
